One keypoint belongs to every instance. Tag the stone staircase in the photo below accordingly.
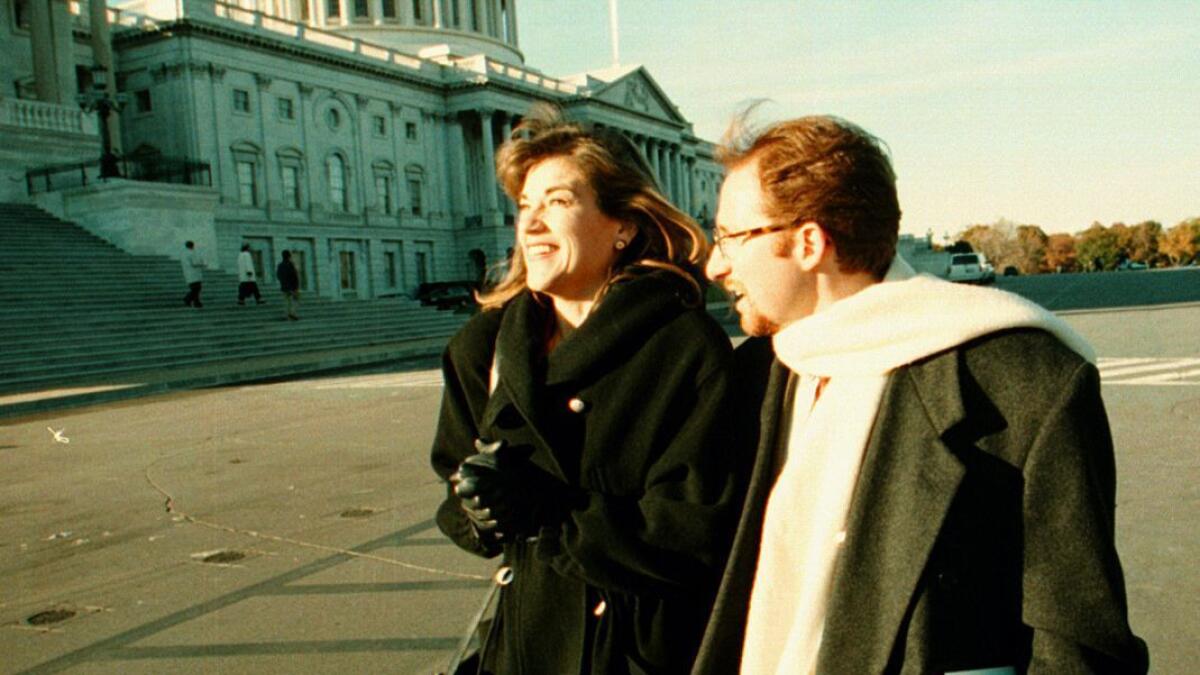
(76, 311)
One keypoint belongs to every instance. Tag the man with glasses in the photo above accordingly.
(933, 487)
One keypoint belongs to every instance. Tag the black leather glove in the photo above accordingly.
(505, 495)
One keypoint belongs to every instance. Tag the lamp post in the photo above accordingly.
(98, 101)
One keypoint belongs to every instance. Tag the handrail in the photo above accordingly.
(149, 169)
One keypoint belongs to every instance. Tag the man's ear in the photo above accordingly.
(810, 246)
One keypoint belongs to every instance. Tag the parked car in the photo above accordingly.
(1011, 271)
(1130, 265)
(447, 294)
(971, 268)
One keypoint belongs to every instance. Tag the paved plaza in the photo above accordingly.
(287, 527)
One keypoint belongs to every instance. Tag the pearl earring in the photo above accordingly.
(620, 245)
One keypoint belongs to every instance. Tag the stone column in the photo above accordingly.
(512, 21)
(438, 19)
(663, 173)
(677, 176)
(318, 17)
(304, 119)
(263, 85)
(464, 21)
(491, 205)
(481, 16)
(652, 155)
(689, 206)
(458, 169)
(507, 121)
(102, 53)
(375, 11)
(43, 30)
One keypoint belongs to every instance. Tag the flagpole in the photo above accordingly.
(613, 30)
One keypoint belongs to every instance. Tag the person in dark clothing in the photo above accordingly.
(289, 284)
(580, 433)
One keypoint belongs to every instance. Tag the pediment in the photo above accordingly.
(633, 89)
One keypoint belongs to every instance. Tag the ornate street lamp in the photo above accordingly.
(98, 101)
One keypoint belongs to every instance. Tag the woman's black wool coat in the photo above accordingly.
(628, 409)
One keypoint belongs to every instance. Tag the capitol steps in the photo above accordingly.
(76, 311)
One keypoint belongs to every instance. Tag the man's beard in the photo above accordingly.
(754, 323)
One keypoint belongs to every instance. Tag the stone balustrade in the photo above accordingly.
(38, 115)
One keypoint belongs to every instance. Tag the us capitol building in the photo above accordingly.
(359, 134)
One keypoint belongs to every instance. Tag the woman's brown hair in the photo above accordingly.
(666, 239)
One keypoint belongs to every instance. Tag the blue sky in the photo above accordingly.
(1057, 113)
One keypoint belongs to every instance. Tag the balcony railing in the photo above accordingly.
(153, 169)
(39, 115)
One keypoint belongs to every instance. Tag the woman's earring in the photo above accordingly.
(620, 245)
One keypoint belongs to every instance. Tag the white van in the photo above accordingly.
(971, 268)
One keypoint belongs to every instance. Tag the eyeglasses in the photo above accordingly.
(725, 241)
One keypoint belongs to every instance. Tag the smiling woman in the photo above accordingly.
(581, 433)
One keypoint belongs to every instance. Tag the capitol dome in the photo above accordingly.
(421, 27)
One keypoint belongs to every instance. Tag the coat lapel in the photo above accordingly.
(908, 480)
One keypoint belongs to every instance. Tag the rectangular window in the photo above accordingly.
(418, 16)
(474, 11)
(422, 267)
(456, 14)
(410, 131)
(333, 8)
(349, 278)
(247, 185)
(291, 187)
(414, 196)
(360, 8)
(287, 108)
(383, 193)
(241, 100)
(389, 268)
(380, 124)
(389, 9)
(143, 101)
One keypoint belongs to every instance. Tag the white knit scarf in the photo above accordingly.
(852, 346)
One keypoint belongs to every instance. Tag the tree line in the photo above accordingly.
(1029, 250)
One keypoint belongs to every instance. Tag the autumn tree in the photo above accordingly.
(1030, 249)
(1181, 243)
(1143, 241)
(1060, 253)
(1097, 248)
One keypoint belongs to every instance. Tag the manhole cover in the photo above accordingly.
(358, 513)
(1189, 409)
(50, 616)
(223, 557)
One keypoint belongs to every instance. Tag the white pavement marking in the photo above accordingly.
(420, 378)
(1150, 371)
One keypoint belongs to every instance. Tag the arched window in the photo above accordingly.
(338, 195)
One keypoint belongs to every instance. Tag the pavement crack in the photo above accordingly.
(171, 508)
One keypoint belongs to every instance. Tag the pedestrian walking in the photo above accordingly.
(247, 277)
(289, 283)
(193, 274)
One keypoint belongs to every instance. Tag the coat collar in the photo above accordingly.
(907, 483)
(619, 324)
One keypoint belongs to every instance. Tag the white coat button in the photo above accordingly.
(577, 405)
